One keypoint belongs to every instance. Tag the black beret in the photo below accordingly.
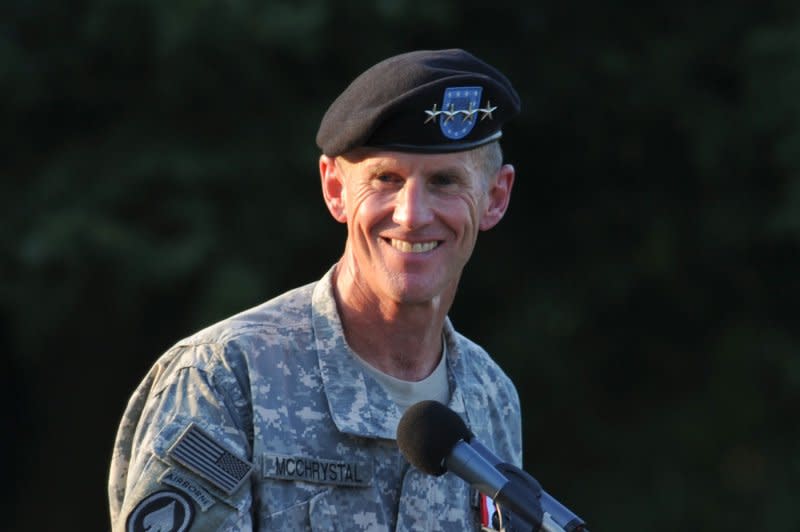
(428, 101)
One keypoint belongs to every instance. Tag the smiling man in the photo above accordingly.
(284, 416)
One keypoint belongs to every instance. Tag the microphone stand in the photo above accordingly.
(533, 517)
(529, 520)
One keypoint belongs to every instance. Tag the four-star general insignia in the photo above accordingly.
(459, 111)
(459, 106)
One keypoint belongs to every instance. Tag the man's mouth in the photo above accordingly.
(413, 247)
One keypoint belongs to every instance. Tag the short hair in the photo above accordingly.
(488, 158)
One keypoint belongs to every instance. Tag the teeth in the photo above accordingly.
(417, 247)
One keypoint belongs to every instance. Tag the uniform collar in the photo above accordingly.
(358, 404)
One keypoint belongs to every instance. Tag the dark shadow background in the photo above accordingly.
(159, 173)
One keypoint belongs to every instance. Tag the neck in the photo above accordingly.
(400, 339)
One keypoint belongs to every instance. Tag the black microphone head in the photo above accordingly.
(427, 433)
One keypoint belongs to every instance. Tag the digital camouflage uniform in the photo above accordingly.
(277, 388)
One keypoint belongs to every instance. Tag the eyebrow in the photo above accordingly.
(451, 171)
(382, 167)
(376, 168)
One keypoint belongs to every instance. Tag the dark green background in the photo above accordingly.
(159, 173)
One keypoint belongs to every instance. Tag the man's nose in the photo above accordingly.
(413, 205)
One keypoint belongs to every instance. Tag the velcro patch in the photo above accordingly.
(167, 511)
(318, 470)
(201, 496)
(199, 452)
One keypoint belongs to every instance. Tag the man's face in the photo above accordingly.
(412, 220)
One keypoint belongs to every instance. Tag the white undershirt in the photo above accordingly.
(406, 393)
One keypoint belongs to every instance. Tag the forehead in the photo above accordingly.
(371, 161)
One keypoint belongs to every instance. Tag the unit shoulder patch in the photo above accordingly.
(163, 511)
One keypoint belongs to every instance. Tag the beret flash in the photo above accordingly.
(427, 101)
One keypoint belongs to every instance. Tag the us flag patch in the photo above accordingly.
(199, 452)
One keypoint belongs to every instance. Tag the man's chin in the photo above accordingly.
(413, 290)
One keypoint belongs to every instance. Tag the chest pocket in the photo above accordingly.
(303, 492)
(333, 509)
(435, 505)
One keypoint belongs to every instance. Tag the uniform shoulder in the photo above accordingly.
(285, 310)
(226, 343)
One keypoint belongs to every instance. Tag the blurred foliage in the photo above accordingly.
(159, 173)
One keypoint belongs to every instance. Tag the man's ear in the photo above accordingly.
(332, 187)
(499, 196)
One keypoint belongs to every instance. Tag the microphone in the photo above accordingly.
(434, 439)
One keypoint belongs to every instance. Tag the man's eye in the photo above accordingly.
(443, 180)
(387, 179)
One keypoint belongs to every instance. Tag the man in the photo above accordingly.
(284, 417)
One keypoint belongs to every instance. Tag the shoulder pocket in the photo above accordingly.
(207, 459)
